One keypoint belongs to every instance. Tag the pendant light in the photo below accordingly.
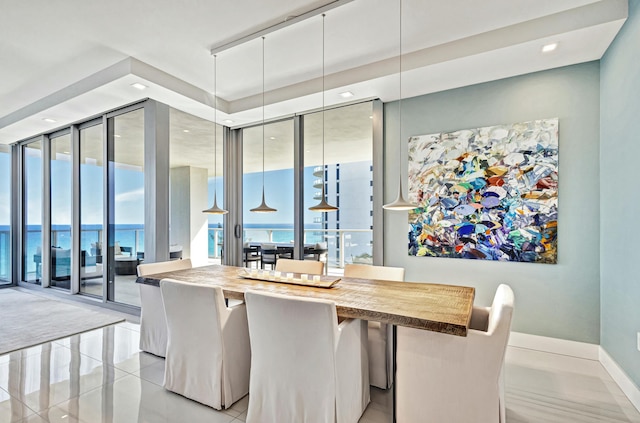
(215, 209)
(400, 204)
(323, 206)
(263, 208)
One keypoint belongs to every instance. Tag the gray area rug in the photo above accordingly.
(28, 319)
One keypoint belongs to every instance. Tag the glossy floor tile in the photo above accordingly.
(102, 376)
(542, 387)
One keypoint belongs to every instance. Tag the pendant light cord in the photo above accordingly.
(215, 124)
(323, 16)
(263, 114)
(400, 101)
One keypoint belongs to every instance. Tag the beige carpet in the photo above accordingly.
(28, 319)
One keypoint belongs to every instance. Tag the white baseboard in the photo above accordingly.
(629, 388)
(555, 345)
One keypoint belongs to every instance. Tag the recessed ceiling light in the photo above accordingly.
(185, 131)
(549, 47)
(49, 120)
(65, 152)
(370, 117)
(139, 86)
(272, 138)
(227, 121)
(117, 136)
(346, 94)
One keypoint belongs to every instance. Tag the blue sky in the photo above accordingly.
(5, 187)
(129, 185)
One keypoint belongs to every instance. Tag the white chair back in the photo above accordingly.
(309, 267)
(499, 324)
(153, 323)
(374, 272)
(436, 370)
(198, 352)
(304, 366)
(163, 266)
(292, 358)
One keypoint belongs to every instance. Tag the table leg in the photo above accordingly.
(394, 331)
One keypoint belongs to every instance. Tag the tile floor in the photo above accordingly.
(101, 376)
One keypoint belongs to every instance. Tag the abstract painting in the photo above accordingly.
(488, 193)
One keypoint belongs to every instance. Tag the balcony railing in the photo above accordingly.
(344, 245)
(5, 263)
(125, 237)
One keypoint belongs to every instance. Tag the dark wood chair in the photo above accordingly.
(269, 255)
(251, 254)
(285, 252)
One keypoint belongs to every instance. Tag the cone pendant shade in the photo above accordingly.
(263, 208)
(215, 209)
(400, 203)
(323, 206)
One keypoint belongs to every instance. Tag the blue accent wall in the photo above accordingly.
(620, 195)
(556, 300)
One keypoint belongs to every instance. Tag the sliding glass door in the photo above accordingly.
(194, 175)
(335, 155)
(127, 205)
(32, 217)
(61, 211)
(347, 176)
(5, 214)
(274, 170)
(91, 209)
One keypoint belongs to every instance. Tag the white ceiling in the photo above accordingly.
(73, 59)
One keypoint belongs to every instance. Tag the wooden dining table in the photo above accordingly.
(428, 306)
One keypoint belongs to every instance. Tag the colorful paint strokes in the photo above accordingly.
(488, 193)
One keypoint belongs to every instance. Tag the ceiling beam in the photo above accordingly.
(287, 22)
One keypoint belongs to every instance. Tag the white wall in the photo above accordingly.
(188, 225)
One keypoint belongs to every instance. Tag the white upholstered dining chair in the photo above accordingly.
(448, 378)
(304, 366)
(380, 334)
(208, 352)
(300, 266)
(153, 324)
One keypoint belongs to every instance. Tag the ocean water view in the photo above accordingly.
(132, 235)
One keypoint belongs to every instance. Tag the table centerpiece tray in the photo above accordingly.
(322, 282)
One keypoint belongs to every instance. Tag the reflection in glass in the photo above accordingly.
(193, 234)
(32, 231)
(128, 202)
(5, 216)
(61, 211)
(347, 178)
(274, 227)
(91, 210)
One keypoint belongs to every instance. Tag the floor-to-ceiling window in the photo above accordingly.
(347, 177)
(5, 214)
(277, 227)
(193, 176)
(91, 209)
(61, 211)
(32, 217)
(126, 231)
